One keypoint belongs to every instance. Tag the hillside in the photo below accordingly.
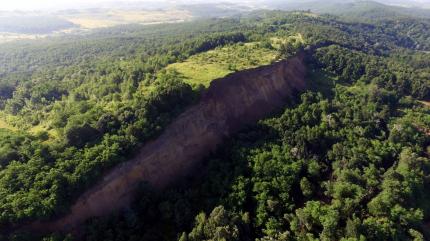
(18, 25)
(270, 125)
(356, 9)
(220, 113)
(201, 69)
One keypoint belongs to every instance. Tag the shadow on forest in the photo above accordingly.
(163, 215)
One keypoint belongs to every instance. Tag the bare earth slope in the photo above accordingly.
(229, 103)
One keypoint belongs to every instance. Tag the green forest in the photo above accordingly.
(348, 159)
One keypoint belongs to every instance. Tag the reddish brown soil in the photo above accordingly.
(427, 103)
(229, 104)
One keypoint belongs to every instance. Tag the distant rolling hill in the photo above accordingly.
(351, 8)
(18, 25)
(37, 24)
(44, 23)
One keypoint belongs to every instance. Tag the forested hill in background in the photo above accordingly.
(348, 160)
(357, 10)
(125, 42)
(121, 42)
(21, 24)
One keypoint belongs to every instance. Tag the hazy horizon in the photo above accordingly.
(31, 5)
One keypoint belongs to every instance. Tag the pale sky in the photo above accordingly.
(42, 4)
(62, 4)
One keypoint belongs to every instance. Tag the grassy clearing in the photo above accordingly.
(361, 87)
(205, 67)
(90, 20)
(5, 125)
(6, 119)
(42, 128)
(277, 41)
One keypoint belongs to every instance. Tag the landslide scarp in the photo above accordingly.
(228, 105)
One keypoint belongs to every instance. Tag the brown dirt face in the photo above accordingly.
(229, 104)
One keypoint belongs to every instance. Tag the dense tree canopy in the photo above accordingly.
(347, 160)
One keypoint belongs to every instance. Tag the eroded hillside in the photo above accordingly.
(228, 105)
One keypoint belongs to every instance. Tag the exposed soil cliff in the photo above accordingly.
(229, 103)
